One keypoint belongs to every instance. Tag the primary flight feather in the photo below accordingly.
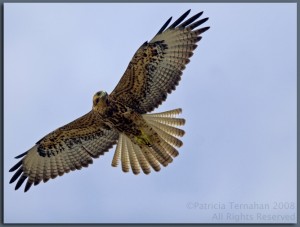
(144, 141)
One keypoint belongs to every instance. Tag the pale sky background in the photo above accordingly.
(238, 96)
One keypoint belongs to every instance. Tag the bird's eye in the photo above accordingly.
(96, 101)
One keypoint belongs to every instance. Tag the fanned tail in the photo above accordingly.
(135, 157)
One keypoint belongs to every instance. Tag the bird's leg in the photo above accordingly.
(143, 139)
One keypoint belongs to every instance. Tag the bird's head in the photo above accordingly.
(100, 100)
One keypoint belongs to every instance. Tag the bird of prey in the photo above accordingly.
(144, 140)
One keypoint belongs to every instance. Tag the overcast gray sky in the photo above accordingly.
(238, 96)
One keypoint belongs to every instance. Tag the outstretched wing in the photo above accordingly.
(68, 148)
(156, 67)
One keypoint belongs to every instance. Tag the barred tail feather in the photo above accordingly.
(134, 163)
(167, 118)
(125, 157)
(161, 153)
(168, 114)
(142, 160)
(117, 154)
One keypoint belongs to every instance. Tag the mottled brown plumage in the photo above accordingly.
(144, 141)
(156, 68)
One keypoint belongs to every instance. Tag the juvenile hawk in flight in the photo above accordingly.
(144, 141)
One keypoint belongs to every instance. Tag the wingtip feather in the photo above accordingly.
(164, 26)
(16, 166)
(27, 187)
(180, 19)
(21, 155)
(20, 181)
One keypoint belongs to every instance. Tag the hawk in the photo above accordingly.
(144, 141)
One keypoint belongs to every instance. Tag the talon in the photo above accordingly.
(143, 139)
